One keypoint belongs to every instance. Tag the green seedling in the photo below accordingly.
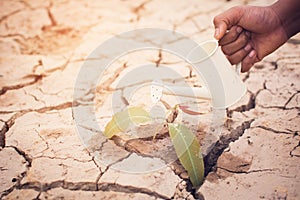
(184, 141)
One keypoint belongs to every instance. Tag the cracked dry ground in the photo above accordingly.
(43, 46)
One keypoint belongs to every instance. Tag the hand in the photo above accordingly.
(247, 34)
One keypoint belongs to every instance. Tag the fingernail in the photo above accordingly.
(252, 53)
(247, 47)
(217, 32)
(239, 29)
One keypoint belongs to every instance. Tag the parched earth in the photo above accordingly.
(50, 148)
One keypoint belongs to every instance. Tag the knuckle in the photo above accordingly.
(244, 38)
(222, 41)
(234, 34)
(241, 55)
(233, 59)
(225, 50)
(238, 9)
(245, 67)
(217, 19)
(237, 57)
(247, 61)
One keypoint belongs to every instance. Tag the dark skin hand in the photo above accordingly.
(247, 34)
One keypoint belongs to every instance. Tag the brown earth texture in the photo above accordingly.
(50, 147)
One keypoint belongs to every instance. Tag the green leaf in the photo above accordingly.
(188, 151)
(138, 115)
(121, 120)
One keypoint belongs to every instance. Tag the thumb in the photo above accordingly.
(220, 29)
(226, 20)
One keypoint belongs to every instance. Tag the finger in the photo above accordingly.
(231, 35)
(236, 45)
(249, 61)
(226, 20)
(220, 30)
(239, 55)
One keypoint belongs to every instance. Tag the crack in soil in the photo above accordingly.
(23, 154)
(291, 152)
(22, 175)
(50, 15)
(275, 131)
(158, 61)
(3, 130)
(129, 189)
(247, 172)
(9, 123)
(284, 107)
(88, 186)
(107, 84)
(36, 78)
(245, 107)
(43, 187)
(113, 163)
(137, 10)
(291, 97)
(19, 113)
(64, 158)
(210, 160)
(10, 14)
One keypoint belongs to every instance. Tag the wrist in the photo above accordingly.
(288, 12)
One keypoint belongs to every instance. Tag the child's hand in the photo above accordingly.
(248, 33)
